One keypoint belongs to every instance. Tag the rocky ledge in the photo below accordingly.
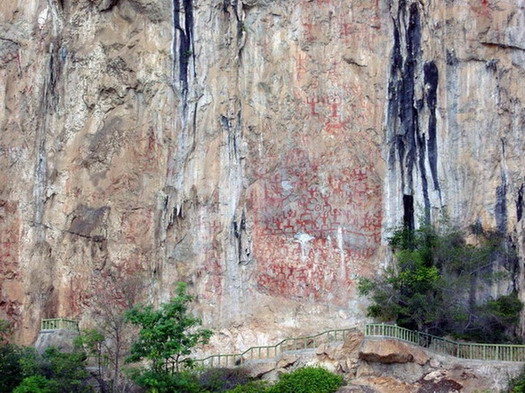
(386, 366)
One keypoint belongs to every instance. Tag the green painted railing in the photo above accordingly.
(58, 323)
(463, 350)
(272, 351)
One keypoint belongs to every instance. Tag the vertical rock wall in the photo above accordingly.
(260, 150)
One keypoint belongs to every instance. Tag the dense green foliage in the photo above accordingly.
(10, 367)
(25, 370)
(307, 380)
(159, 382)
(166, 339)
(65, 371)
(434, 284)
(36, 384)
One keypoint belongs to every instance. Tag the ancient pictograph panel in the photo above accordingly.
(318, 201)
(316, 227)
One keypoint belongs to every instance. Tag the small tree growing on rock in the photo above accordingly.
(166, 337)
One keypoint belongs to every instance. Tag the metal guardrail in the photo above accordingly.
(58, 323)
(462, 350)
(271, 351)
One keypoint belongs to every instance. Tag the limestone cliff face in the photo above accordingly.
(260, 150)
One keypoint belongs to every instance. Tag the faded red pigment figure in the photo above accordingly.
(311, 235)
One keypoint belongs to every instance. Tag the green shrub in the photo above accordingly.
(153, 382)
(66, 371)
(251, 387)
(10, 369)
(36, 384)
(223, 379)
(307, 380)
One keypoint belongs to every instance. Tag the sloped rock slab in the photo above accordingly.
(391, 351)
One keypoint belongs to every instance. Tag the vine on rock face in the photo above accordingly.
(439, 284)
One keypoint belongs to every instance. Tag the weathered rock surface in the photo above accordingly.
(61, 339)
(391, 351)
(259, 150)
(385, 385)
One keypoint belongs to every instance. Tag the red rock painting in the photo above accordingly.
(315, 228)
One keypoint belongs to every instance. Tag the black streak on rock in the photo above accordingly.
(239, 228)
(431, 84)
(501, 206)
(185, 52)
(408, 215)
(403, 113)
(54, 72)
(519, 204)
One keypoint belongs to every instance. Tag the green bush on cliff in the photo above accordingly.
(434, 283)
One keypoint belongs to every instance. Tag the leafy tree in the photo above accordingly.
(434, 283)
(166, 338)
(10, 368)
